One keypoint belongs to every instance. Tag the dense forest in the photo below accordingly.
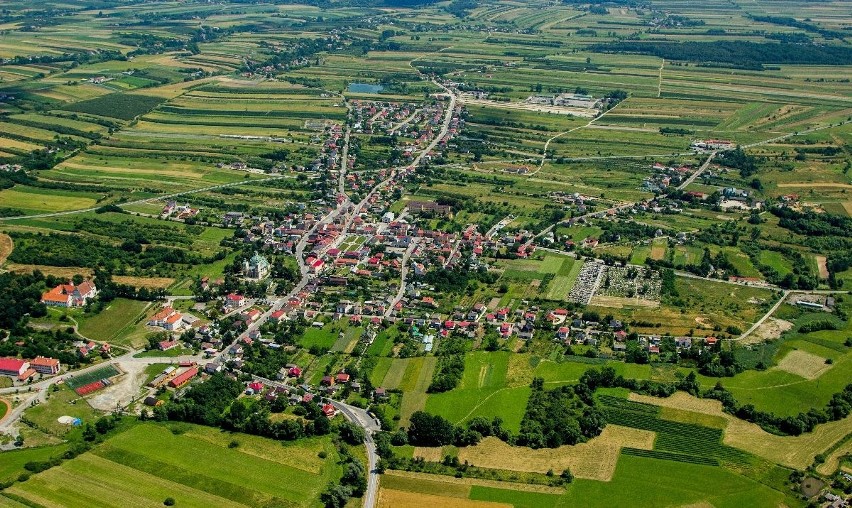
(740, 54)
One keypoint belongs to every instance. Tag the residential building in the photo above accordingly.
(44, 365)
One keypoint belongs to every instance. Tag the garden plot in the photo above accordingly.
(628, 285)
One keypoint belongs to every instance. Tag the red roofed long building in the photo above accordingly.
(184, 377)
(13, 367)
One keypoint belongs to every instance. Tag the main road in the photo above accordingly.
(360, 417)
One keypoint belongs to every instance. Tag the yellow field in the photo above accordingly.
(519, 372)
(429, 453)
(594, 460)
(144, 282)
(832, 461)
(57, 271)
(816, 184)
(802, 363)
(20, 145)
(793, 451)
(455, 487)
(397, 498)
(70, 271)
(6, 246)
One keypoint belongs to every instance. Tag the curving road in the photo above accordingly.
(360, 417)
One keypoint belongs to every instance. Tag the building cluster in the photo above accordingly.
(662, 177)
(171, 320)
(709, 145)
(70, 295)
(22, 370)
(569, 100)
(179, 212)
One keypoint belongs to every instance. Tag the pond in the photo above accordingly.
(364, 88)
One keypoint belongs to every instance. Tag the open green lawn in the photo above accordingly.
(195, 466)
(119, 323)
(415, 381)
(62, 402)
(776, 261)
(483, 391)
(31, 200)
(562, 283)
(319, 337)
(12, 462)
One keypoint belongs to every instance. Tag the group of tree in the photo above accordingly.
(558, 417)
(737, 54)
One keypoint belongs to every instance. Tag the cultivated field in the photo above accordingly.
(144, 465)
(594, 460)
(795, 452)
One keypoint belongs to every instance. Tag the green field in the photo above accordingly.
(483, 391)
(32, 201)
(148, 463)
(638, 481)
(119, 323)
(13, 461)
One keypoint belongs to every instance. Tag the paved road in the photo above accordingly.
(403, 273)
(368, 423)
(697, 172)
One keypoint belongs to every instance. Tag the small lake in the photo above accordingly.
(364, 88)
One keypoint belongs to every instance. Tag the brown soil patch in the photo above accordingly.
(703, 322)
(594, 460)
(618, 302)
(812, 486)
(770, 329)
(658, 252)
(802, 363)
(792, 451)
(847, 205)
(823, 266)
(396, 498)
(6, 246)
